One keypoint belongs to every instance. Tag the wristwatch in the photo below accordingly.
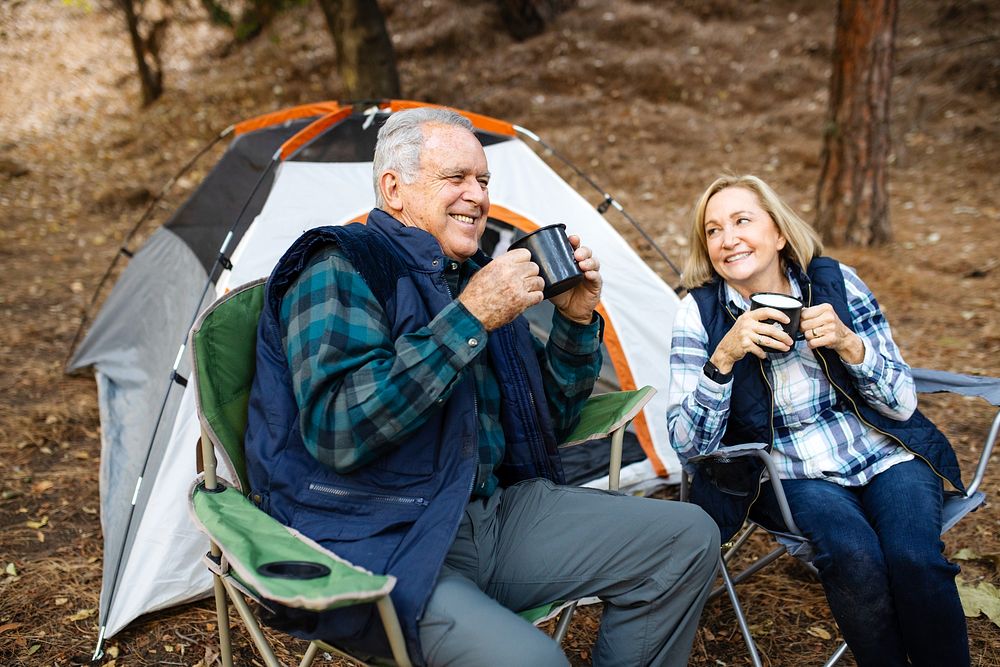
(713, 373)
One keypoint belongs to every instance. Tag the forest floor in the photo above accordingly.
(653, 99)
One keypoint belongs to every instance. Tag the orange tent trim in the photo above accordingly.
(293, 113)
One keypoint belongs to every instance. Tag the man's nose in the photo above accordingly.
(475, 192)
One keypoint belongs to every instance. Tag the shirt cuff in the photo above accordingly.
(871, 366)
(575, 338)
(712, 395)
(459, 331)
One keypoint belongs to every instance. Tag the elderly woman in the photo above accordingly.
(861, 467)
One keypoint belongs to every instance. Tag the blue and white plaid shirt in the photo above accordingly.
(812, 440)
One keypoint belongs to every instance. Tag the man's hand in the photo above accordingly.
(503, 289)
(578, 304)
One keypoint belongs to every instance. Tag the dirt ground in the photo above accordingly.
(652, 99)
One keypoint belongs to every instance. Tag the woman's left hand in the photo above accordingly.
(822, 328)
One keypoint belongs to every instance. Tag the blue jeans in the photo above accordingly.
(879, 555)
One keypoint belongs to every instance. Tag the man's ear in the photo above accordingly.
(388, 184)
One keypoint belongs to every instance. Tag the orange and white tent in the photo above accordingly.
(282, 174)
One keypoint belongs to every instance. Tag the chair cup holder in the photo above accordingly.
(293, 569)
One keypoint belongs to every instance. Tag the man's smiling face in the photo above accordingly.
(448, 197)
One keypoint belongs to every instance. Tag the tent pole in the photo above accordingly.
(607, 201)
(222, 261)
(123, 246)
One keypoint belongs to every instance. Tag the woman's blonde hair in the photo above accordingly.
(802, 241)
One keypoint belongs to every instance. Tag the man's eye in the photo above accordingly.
(484, 183)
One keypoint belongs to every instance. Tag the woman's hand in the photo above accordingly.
(822, 328)
(751, 334)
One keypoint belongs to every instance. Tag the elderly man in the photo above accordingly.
(403, 416)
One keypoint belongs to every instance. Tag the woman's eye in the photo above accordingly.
(711, 232)
(742, 221)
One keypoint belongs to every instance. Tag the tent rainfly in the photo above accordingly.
(283, 173)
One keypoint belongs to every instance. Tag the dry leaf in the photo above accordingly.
(61, 601)
(112, 651)
(34, 647)
(818, 631)
(37, 524)
(43, 486)
(981, 599)
(10, 570)
(9, 626)
(969, 554)
(80, 615)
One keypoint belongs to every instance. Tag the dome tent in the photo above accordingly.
(284, 173)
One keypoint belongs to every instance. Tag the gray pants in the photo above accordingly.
(652, 562)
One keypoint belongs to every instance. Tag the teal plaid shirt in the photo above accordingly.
(361, 393)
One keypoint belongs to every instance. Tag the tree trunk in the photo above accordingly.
(527, 18)
(150, 76)
(366, 60)
(852, 199)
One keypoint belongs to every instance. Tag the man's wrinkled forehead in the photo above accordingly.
(449, 148)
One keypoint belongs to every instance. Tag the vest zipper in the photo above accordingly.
(857, 413)
(475, 398)
(770, 444)
(376, 497)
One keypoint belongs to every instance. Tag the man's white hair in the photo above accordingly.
(401, 139)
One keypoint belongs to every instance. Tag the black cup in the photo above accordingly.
(550, 250)
(789, 305)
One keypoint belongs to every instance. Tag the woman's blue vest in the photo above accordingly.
(727, 489)
(398, 514)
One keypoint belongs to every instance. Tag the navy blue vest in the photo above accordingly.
(727, 489)
(399, 514)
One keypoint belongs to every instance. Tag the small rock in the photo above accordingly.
(12, 169)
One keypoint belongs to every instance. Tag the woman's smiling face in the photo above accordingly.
(743, 241)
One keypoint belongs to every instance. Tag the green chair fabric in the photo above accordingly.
(258, 552)
(223, 347)
(251, 540)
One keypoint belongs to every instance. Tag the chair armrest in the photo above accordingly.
(930, 381)
(723, 454)
(278, 563)
(605, 413)
(757, 449)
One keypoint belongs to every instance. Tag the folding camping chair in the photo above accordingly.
(956, 505)
(254, 555)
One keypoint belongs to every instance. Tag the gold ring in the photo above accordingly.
(815, 335)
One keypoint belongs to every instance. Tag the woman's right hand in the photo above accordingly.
(751, 334)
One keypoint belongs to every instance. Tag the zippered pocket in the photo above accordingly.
(366, 497)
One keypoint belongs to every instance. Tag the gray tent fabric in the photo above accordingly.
(132, 346)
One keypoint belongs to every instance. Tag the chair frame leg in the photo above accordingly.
(393, 631)
(222, 614)
(740, 618)
(565, 619)
(837, 655)
(310, 655)
(252, 626)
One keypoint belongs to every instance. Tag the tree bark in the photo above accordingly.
(366, 60)
(150, 75)
(852, 200)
